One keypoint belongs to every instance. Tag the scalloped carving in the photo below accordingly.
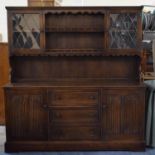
(80, 54)
(75, 12)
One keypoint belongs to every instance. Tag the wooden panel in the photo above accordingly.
(62, 22)
(26, 118)
(72, 36)
(76, 145)
(44, 69)
(132, 115)
(123, 115)
(4, 77)
(75, 40)
(111, 116)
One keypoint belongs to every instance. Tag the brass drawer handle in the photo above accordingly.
(93, 97)
(44, 106)
(57, 115)
(58, 98)
(93, 132)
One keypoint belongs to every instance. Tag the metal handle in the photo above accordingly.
(104, 106)
(93, 97)
(58, 97)
(44, 106)
(57, 115)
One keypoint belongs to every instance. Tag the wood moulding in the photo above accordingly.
(75, 12)
(69, 52)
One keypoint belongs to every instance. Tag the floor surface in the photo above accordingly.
(2, 138)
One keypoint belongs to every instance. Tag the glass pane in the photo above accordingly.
(122, 31)
(26, 31)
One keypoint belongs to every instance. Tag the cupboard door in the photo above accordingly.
(123, 30)
(123, 115)
(26, 30)
(26, 118)
(133, 115)
(111, 116)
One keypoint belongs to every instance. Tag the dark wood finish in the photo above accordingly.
(4, 77)
(74, 85)
(30, 104)
(112, 117)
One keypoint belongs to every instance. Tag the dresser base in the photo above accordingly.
(73, 146)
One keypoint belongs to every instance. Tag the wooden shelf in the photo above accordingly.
(81, 83)
(121, 30)
(74, 30)
(76, 52)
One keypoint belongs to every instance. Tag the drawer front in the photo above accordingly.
(74, 133)
(73, 98)
(74, 116)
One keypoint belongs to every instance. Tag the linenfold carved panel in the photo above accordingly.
(119, 114)
(28, 110)
(111, 116)
(130, 115)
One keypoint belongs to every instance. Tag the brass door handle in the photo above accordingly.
(104, 106)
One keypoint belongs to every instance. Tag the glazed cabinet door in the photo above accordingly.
(26, 118)
(124, 30)
(25, 31)
(123, 115)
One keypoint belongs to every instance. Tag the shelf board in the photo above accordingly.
(77, 52)
(121, 30)
(74, 30)
(90, 82)
(27, 31)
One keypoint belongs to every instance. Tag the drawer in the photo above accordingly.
(74, 115)
(74, 133)
(73, 98)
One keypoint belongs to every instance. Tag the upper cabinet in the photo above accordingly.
(75, 29)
